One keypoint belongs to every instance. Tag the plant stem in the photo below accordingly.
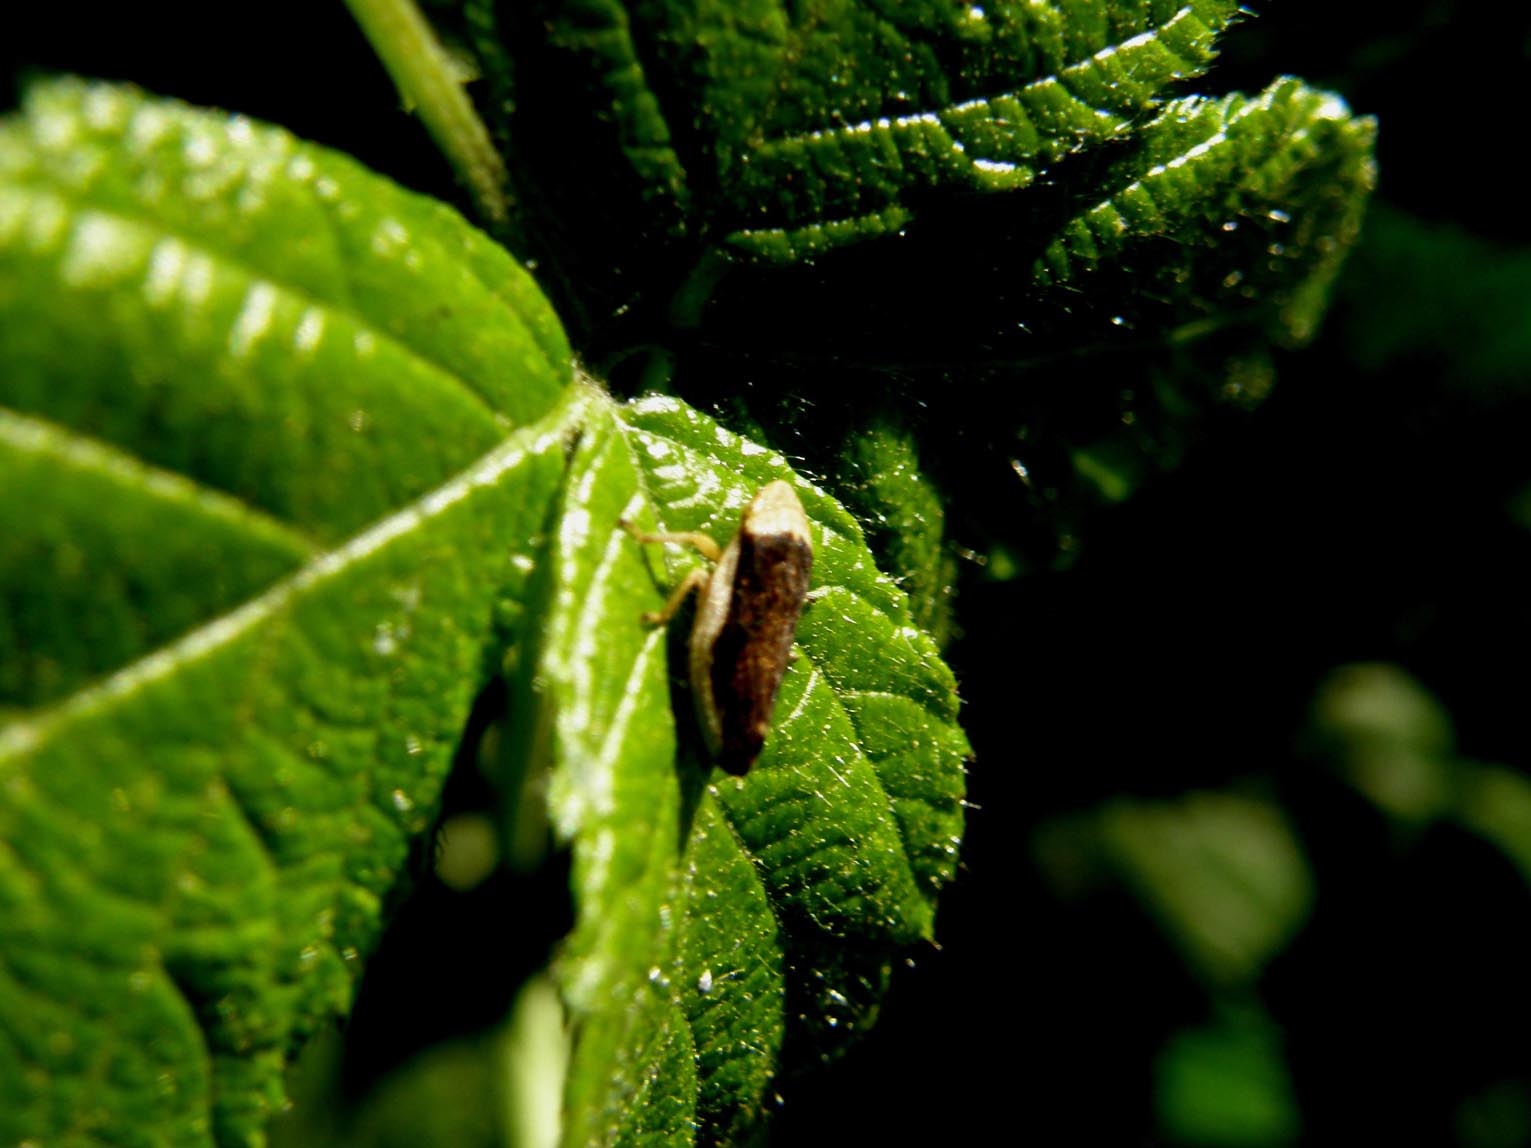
(429, 84)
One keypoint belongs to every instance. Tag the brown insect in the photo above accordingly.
(746, 615)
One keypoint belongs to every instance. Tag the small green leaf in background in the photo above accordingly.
(1498, 1116)
(1388, 737)
(299, 410)
(1222, 873)
(1449, 300)
(1226, 1085)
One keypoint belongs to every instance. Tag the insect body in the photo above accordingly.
(746, 615)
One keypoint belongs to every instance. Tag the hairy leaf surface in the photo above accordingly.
(248, 347)
(770, 908)
(782, 131)
(276, 441)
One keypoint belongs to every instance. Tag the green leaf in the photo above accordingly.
(288, 434)
(858, 634)
(299, 440)
(1223, 874)
(719, 919)
(1227, 1084)
(904, 209)
(1495, 1116)
(1025, 87)
(223, 331)
(198, 847)
(1419, 292)
(957, 142)
(597, 706)
(1392, 741)
(904, 519)
(1291, 166)
(783, 132)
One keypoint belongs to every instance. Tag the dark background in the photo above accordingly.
(1372, 510)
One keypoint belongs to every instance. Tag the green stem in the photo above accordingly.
(428, 83)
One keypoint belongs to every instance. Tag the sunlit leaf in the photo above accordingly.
(246, 431)
(773, 908)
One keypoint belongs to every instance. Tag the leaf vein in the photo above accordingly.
(86, 210)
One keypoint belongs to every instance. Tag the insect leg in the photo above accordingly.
(702, 543)
(692, 581)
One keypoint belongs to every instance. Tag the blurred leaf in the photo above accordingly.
(1498, 1116)
(467, 850)
(1392, 740)
(1226, 1085)
(285, 395)
(535, 1056)
(1423, 295)
(1496, 805)
(444, 1098)
(1223, 874)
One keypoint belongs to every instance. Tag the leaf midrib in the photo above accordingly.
(46, 437)
(26, 735)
